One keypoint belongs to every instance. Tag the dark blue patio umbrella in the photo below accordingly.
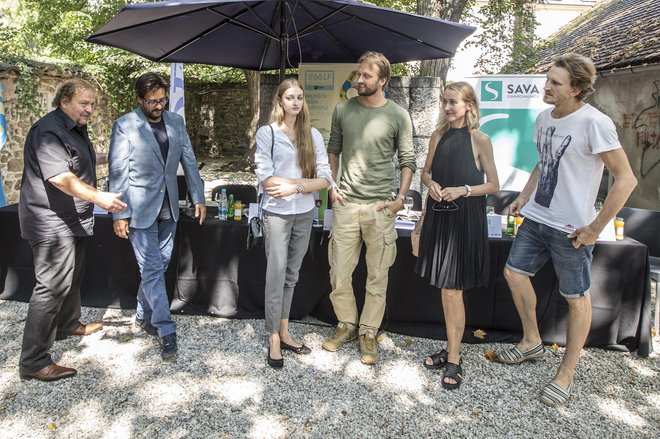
(271, 34)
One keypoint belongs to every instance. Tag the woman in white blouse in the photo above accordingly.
(291, 163)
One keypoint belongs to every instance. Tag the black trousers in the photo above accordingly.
(55, 302)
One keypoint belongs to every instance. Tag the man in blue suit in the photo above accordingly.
(146, 148)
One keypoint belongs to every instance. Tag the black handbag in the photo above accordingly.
(256, 236)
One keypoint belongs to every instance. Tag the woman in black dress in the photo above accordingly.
(453, 251)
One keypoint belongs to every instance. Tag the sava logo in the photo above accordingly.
(491, 91)
(522, 89)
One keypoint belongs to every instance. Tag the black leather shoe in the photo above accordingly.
(276, 364)
(52, 372)
(170, 348)
(300, 350)
(146, 326)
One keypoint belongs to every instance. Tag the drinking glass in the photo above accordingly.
(408, 204)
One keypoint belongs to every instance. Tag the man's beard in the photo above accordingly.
(367, 91)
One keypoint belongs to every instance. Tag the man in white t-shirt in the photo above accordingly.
(574, 141)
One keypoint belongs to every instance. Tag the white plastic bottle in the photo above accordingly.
(222, 205)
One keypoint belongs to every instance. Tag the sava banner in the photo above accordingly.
(509, 105)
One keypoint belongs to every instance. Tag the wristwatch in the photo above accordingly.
(469, 190)
(403, 197)
(299, 188)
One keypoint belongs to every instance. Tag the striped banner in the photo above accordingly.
(3, 140)
(177, 103)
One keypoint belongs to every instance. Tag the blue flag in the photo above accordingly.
(3, 139)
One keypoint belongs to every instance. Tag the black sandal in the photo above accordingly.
(455, 372)
(300, 350)
(439, 360)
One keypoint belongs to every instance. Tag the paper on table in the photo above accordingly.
(404, 225)
(413, 215)
(494, 226)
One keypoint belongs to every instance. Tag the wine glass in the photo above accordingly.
(408, 204)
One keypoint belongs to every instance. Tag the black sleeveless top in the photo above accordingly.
(453, 249)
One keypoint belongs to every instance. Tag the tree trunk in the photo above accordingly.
(253, 79)
(447, 10)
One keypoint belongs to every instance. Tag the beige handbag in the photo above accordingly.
(417, 233)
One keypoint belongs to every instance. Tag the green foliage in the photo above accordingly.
(507, 40)
(53, 31)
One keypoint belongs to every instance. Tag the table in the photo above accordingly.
(211, 265)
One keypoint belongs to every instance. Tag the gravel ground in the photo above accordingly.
(221, 386)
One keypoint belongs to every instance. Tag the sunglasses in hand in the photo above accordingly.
(445, 206)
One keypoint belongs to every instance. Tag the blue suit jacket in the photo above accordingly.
(138, 171)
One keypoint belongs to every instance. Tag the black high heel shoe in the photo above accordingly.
(276, 364)
(300, 350)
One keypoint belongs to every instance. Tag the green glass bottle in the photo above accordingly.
(510, 225)
(230, 207)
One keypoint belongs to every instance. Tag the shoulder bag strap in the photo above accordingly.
(272, 147)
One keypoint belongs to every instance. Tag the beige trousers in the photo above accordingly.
(353, 224)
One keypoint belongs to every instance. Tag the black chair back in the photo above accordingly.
(643, 225)
(244, 192)
(417, 199)
(500, 201)
(182, 185)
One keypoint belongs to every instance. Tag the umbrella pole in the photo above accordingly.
(283, 42)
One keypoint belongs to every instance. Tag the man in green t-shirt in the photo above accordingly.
(367, 131)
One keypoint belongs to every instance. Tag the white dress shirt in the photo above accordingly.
(284, 163)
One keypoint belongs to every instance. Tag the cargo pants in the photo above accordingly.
(353, 224)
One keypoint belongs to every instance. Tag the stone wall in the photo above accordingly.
(218, 118)
(18, 123)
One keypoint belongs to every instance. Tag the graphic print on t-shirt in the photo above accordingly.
(548, 165)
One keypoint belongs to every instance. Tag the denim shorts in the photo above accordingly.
(536, 243)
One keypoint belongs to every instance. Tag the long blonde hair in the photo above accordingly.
(468, 95)
(303, 128)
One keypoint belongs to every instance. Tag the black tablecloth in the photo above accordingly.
(210, 265)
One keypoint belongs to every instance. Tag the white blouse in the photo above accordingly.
(284, 163)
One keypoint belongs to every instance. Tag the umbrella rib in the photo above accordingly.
(317, 25)
(234, 20)
(313, 28)
(227, 19)
(142, 23)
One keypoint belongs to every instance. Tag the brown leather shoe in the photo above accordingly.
(80, 330)
(52, 372)
(87, 329)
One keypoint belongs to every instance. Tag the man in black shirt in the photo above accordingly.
(58, 190)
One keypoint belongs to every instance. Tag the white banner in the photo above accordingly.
(508, 106)
(3, 139)
(177, 101)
